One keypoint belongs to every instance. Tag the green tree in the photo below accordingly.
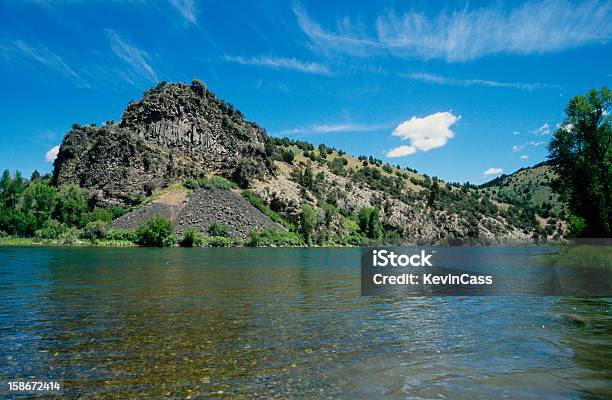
(369, 222)
(581, 154)
(71, 207)
(39, 200)
(308, 222)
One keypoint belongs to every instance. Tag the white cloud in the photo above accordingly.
(467, 33)
(493, 171)
(444, 80)
(516, 133)
(131, 55)
(532, 143)
(186, 8)
(51, 155)
(517, 147)
(333, 128)
(428, 132)
(401, 151)
(524, 157)
(281, 63)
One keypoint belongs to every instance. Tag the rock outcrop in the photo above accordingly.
(173, 133)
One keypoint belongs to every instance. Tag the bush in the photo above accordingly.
(95, 230)
(288, 156)
(273, 237)
(156, 232)
(51, 229)
(218, 241)
(212, 182)
(102, 214)
(218, 229)
(191, 238)
(121, 235)
(256, 202)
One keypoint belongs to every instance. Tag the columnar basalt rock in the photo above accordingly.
(173, 133)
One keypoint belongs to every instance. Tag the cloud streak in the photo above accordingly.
(461, 35)
(444, 80)
(186, 8)
(134, 57)
(333, 128)
(281, 63)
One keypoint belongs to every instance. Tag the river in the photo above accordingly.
(266, 323)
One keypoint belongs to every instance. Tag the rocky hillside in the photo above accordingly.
(178, 132)
(173, 133)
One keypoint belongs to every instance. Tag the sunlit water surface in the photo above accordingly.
(265, 323)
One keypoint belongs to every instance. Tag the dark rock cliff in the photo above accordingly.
(173, 133)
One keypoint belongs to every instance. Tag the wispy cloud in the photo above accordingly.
(281, 63)
(42, 56)
(542, 130)
(136, 58)
(524, 157)
(493, 171)
(186, 8)
(444, 80)
(424, 134)
(333, 128)
(465, 34)
(518, 147)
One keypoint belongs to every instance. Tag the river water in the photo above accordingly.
(266, 323)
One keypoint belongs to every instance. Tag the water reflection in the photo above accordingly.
(271, 323)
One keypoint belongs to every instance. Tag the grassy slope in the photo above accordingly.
(580, 256)
(530, 186)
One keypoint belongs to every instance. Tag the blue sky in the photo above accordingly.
(452, 89)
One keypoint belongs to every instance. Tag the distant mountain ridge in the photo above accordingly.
(179, 132)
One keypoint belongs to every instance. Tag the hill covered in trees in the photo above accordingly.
(182, 138)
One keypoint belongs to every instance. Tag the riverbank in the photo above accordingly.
(581, 256)
(24, 241)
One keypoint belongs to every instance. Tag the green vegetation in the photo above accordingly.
(156, 232)
(273, 237)
(308, 222)
(580, 256)
(191, 238)
(218, 229)
(581, 154)
(256, 202)
(218, 241)
(212, 182)
(369, 223)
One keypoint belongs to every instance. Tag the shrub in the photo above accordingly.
(191, 238)
(156, 232)
(218, 241)
(121, 235)
(212, 182)
(273, 237)
(256, 202)
(51, 229)
(102, 214)
(218, 229)
(288, 156)
(95, 230)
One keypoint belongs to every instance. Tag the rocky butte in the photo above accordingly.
(178, 132)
